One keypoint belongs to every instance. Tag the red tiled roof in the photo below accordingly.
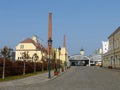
(37, 45)
(28, 40)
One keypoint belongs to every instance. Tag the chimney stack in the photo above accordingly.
(64, 43)
(50, 27)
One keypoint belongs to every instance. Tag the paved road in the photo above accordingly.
(77, 78)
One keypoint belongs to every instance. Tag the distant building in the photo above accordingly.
(79, 60)
(105, 46)
(82, 52)
(96, 58)
(98, 51)
(31, 46)
(63, 53)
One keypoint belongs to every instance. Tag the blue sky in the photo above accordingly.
(84, 22)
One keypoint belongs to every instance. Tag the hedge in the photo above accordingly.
(13, 68)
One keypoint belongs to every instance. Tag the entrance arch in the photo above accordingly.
(79, 60)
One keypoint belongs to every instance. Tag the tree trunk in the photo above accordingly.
(3, 74)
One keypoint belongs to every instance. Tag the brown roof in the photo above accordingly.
(37, 45)
(28, 40)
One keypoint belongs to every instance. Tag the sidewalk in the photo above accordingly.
(30, 80)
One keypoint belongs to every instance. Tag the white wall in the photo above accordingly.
(105, 46)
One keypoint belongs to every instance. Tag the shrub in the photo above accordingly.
(16, 67)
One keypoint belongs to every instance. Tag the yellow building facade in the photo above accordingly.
(30, 46)
(62, 55)
(112, 57)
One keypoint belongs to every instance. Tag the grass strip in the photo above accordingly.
(9, 78)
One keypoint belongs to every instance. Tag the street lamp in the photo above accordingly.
(42, 60)
(42, 63)
(55, 60)
(65, 60)
(59, 49)
(49, 57)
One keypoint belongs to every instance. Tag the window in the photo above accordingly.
(21, 46)
(105, 49)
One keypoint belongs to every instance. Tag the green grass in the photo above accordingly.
(9, 78)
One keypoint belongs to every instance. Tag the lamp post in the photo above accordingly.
(65, 60)
(42, 63)
(55, 60)
(35, 58)
(59, 49)
(49, 57)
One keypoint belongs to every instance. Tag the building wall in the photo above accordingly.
(31, 49)
(106, 60)
(82, 52)
(112, 58)
(98, 51)
(25, 46)
(63, 55)
(105, 46)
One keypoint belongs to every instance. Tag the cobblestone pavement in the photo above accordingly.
(76, 78)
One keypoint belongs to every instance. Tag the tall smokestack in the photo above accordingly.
(49, 44)
(50, 26)
(50, 34)
(64, 43)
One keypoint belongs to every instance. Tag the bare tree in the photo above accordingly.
(35, 58)
(5, 53)
(25, 57)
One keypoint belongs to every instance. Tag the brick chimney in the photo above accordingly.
(50, 26)
(64, 42)
(50, 34)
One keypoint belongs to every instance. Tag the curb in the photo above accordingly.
(61, 73)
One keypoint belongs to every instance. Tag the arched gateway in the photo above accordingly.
(79, 60)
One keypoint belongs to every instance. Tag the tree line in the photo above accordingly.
(10, 67)
(13, 68)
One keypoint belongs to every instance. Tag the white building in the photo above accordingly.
(98, 51)
(96, 59)
(82, 52)
(105, 46)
